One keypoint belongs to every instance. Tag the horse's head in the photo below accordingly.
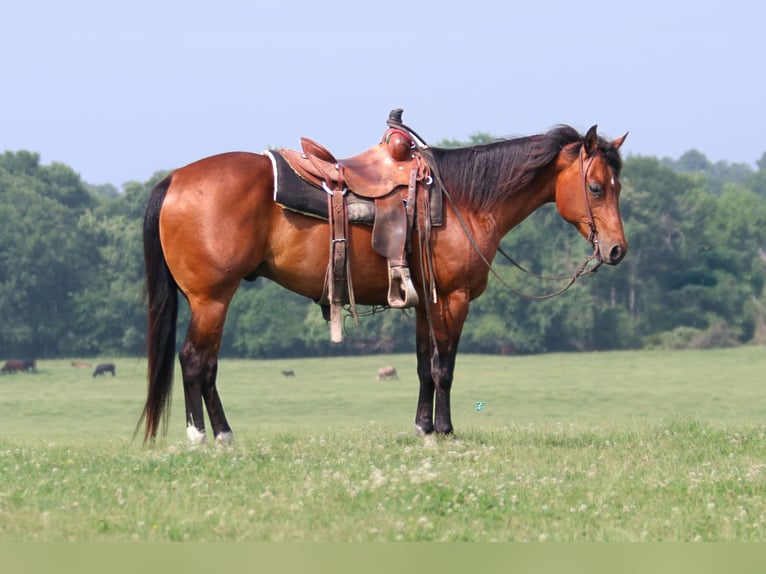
(588, 193)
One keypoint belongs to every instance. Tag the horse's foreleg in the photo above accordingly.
(199, 365)
(424, 416)
(443, 387)
(435, 373)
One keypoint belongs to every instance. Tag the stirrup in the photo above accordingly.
(401, 291)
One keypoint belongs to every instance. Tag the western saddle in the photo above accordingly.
(396, 177)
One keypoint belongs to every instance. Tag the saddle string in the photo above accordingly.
(428, 279)
(424, 225)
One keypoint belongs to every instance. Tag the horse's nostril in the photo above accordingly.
(616, 254)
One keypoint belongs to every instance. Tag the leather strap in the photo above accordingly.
(337, 269)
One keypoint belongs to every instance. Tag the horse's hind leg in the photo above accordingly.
(199, 365)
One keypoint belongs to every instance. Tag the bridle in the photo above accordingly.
(584, 169)
(582, 271)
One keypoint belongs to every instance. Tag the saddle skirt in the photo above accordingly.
(294, 193)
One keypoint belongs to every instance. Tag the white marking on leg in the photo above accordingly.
(195, 435)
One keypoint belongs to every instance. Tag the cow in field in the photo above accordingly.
(13, 366)
(288, 373)
(19, 365)
(387, 373)
(104, 368)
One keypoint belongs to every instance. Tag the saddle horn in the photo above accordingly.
(396, 115)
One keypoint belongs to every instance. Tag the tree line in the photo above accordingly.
(71, 273)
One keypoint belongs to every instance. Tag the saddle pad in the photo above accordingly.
(294, 193)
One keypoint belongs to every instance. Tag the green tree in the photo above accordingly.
(46, 257)
(71, 272)
(110, 312)
(265, 320)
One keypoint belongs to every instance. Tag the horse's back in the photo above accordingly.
(222, 183)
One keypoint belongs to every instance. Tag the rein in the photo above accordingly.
(581, 271)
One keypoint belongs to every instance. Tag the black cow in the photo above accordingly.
(104, 368)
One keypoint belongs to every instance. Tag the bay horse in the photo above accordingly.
(214, 222)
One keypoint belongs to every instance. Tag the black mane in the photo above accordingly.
(483, 175)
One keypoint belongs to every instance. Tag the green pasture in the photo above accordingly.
(619, 446)
(718, 387)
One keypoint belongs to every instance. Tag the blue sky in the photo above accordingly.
(120, 90)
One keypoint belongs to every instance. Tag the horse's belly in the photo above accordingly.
(301, 266)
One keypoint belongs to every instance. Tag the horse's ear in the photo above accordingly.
(591, 140)
(619, 141)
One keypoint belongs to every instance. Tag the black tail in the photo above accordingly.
(162, 295)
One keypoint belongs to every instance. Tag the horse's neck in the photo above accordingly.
(522, 203)
(483, 200)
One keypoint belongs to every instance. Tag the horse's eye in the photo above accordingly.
(595, 189)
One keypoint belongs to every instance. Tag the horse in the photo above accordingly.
(387, 373)
(103, 368)
(214, 222)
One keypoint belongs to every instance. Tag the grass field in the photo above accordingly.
(624, 446)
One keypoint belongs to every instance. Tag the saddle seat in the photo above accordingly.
(389, 174)
(374, 173)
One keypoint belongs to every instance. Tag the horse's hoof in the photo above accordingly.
(224, 438)
(195, 436)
